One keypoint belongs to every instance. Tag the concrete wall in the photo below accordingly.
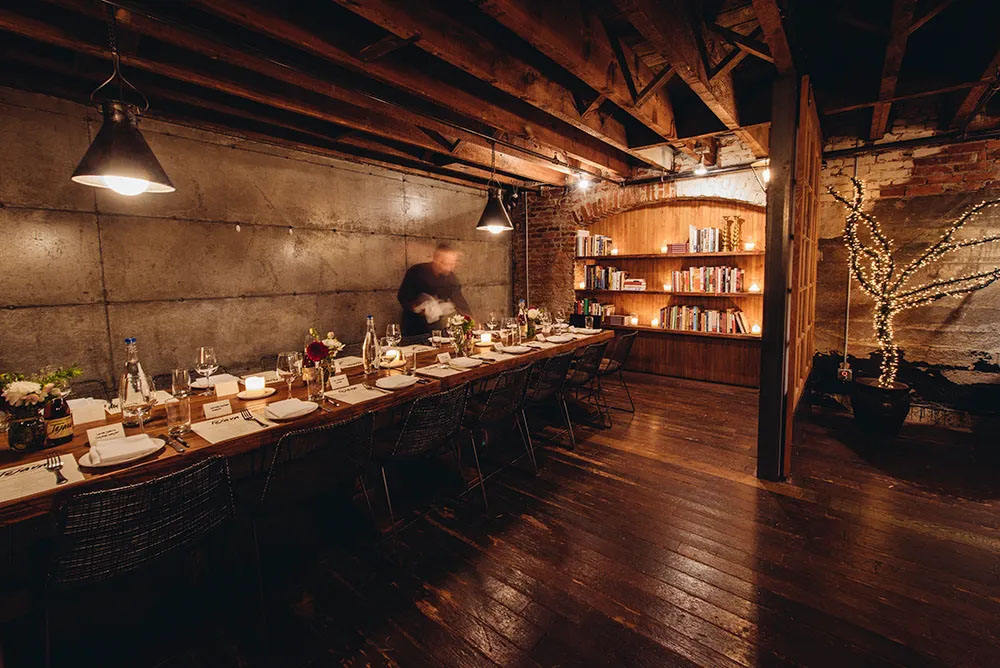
(258, 244)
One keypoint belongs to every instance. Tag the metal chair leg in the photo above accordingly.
(261, 602)
(621, 379)
(388, 502)
(569, 424)
(482, 481)
(526, 440)
(602, 403)
(368, 501)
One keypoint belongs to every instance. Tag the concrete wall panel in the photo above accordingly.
(62, 335)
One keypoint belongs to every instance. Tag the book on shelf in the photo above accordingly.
(634, 284)
(677, 248)
(591, 307)
(588, 244)
(716, 239)
(697, 319)
(709, 279)
(598, 277)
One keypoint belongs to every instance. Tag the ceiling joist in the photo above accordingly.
(899, 32)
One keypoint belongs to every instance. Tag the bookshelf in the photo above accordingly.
(638, 236)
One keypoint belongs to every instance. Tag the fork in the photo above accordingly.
(54, 463)
(375, 389)
(247, 415)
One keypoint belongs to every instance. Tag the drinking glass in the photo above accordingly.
(491, 322)
(206, 364)
(588, 321)
(560, 316)
(180, 383)
(289, 367)
(393, 334)
(436, 336)
(178, 412)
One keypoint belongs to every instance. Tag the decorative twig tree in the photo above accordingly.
(873, 266)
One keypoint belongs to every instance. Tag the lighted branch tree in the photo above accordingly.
(873, 266)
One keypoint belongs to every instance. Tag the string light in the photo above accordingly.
(890, 293)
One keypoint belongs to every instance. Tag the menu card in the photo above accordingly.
(32, 478)
(354, 394)
(436, 371)
(229, 427)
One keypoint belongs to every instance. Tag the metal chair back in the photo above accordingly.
(268, 362)
(431, 420)
(110, 532)
(619, 356)
(96, 388)
(587, 364)
(552, 376)
(507, 395)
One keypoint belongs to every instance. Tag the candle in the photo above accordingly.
(663, 249)
(614, 251)
(655, 322)
(583, 285)
(391, 354)
(755, 329)
(667, 287)
(749, 246)
(487, 337)
(255, 383)
(634, 320)
(754, 287)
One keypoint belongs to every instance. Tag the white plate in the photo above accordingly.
(441, 339)
(305, 410)
(85, 459)
(247, 395)
(588, 332)
(559, 338)
(395, 382)
(465, 362)
(516, 350)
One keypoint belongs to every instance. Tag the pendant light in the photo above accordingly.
(494, 218)
(119, 157)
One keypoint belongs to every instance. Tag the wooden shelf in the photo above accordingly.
(684, 332)
(673, 292)
(667, 256)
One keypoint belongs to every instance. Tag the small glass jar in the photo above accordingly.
(26, 430)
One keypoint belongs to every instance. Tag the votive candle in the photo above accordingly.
(614, 251)
(749, 246)
(255, 383)
(755, 329)
(487, 337)
(655, 322)
(583, 285)
(667, 287)
(754, 287)
(634, 320)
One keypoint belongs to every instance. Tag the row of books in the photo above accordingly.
(590, 307)
(705, 240)
(709, 279)
(698, 319)
(597, 277)
(592, 244)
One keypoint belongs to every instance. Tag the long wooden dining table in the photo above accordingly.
(167, 460)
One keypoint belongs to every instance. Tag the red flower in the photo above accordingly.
(317, 351)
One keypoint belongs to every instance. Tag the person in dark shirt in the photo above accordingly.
(430, 292)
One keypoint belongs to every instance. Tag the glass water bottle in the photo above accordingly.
(370, 349)
(135, 390)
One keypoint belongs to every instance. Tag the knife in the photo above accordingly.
(168, 440)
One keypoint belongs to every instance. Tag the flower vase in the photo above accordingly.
(530, 330)
(26, 430)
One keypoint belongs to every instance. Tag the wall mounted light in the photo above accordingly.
(583, 182)
(700, 169)
(119, 157)
(494, 218)
(762, 172)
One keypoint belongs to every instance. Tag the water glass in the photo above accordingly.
(180, 383)
(588, 321)
(435, 336)
(178, 414)
(492, 322)
(393, 334)
(315, 378)
(206, 364)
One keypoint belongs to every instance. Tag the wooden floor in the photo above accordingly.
(653, 544)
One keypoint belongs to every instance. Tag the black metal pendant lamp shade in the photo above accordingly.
(494, 218)
(119, 157)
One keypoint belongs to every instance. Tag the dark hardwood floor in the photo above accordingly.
(651, 544)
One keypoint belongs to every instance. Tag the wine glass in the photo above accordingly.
(206, 364)
(289, 367)
(392, 334)
(180, 383)
(491, 322)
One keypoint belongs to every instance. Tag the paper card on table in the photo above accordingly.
(444, 358)
(161, 397)
(226, 388)
(415, 348)
(339, 380)
(105, 433)
(353, 394)
(230, 426)
(32, 478)
(437, 371)
(87, 410)
(112, 408)
(217, 409)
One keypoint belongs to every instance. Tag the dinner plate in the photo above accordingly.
(395, 382)
(305, 410)
(85, 459)
(559, 338)
(248, 395)
(441, 339)
(516, 350)
(588, 332)
(465, 362)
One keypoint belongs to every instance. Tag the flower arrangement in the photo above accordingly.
(31, 393)
(534, 317)
(321, 349)
(460, 329)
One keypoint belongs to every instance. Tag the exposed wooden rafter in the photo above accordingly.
(769, 18)
(748, 43)
(384, 47)
(899, 31)
(970, 103)
(929, 14)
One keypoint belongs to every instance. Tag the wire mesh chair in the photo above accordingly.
(584, 378)
(429, 423)
(548, 385)
(95, 388)
(615, 364)
(504, 402)
(268, 362)
(111, 532)
(414, 339)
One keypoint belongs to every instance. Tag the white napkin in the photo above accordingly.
(415, 348)
(285, 407)
(349, 361)
(540, 344)
(212, 380)
(493, 355)
(436, 371)
(116, 450)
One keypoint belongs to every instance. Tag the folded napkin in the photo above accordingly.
(349, 361)
(286, 407)
(415, 348)
(493, 355)
(212, 380)
(117, 450)
(437, 371)
(540, 344)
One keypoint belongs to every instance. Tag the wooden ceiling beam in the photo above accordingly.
(969, 105)
(769, 17)
(899, 31)
(449, 39)
(478, 150)
(747, 43)
(546, 136)
(572, 36)
(366, 120)
(669, 27)
(929, 14)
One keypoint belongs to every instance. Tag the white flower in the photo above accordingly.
(532, 313)
(456, 320)
(22, 393)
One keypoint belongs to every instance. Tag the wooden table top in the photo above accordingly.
(168, 459)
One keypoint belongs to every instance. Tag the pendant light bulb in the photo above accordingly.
(700, 169)
(125, 185)
(494, 218)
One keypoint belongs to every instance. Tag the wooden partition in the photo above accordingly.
(638, 235)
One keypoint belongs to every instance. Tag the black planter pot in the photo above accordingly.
(880, 410)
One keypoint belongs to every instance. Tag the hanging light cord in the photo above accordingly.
(116, 63)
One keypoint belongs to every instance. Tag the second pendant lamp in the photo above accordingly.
(494, 218)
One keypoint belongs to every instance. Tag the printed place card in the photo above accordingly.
(339, 380)
(444, 358)
(217, 409)
(112, 408)
(88, 411)
(105, 433)
(226, 388)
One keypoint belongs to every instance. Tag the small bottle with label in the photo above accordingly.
(58, 422)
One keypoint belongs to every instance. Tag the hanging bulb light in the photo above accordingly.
(494, 218)
(762, 172)
(583, 182)
(700, 169)
(119, 157)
